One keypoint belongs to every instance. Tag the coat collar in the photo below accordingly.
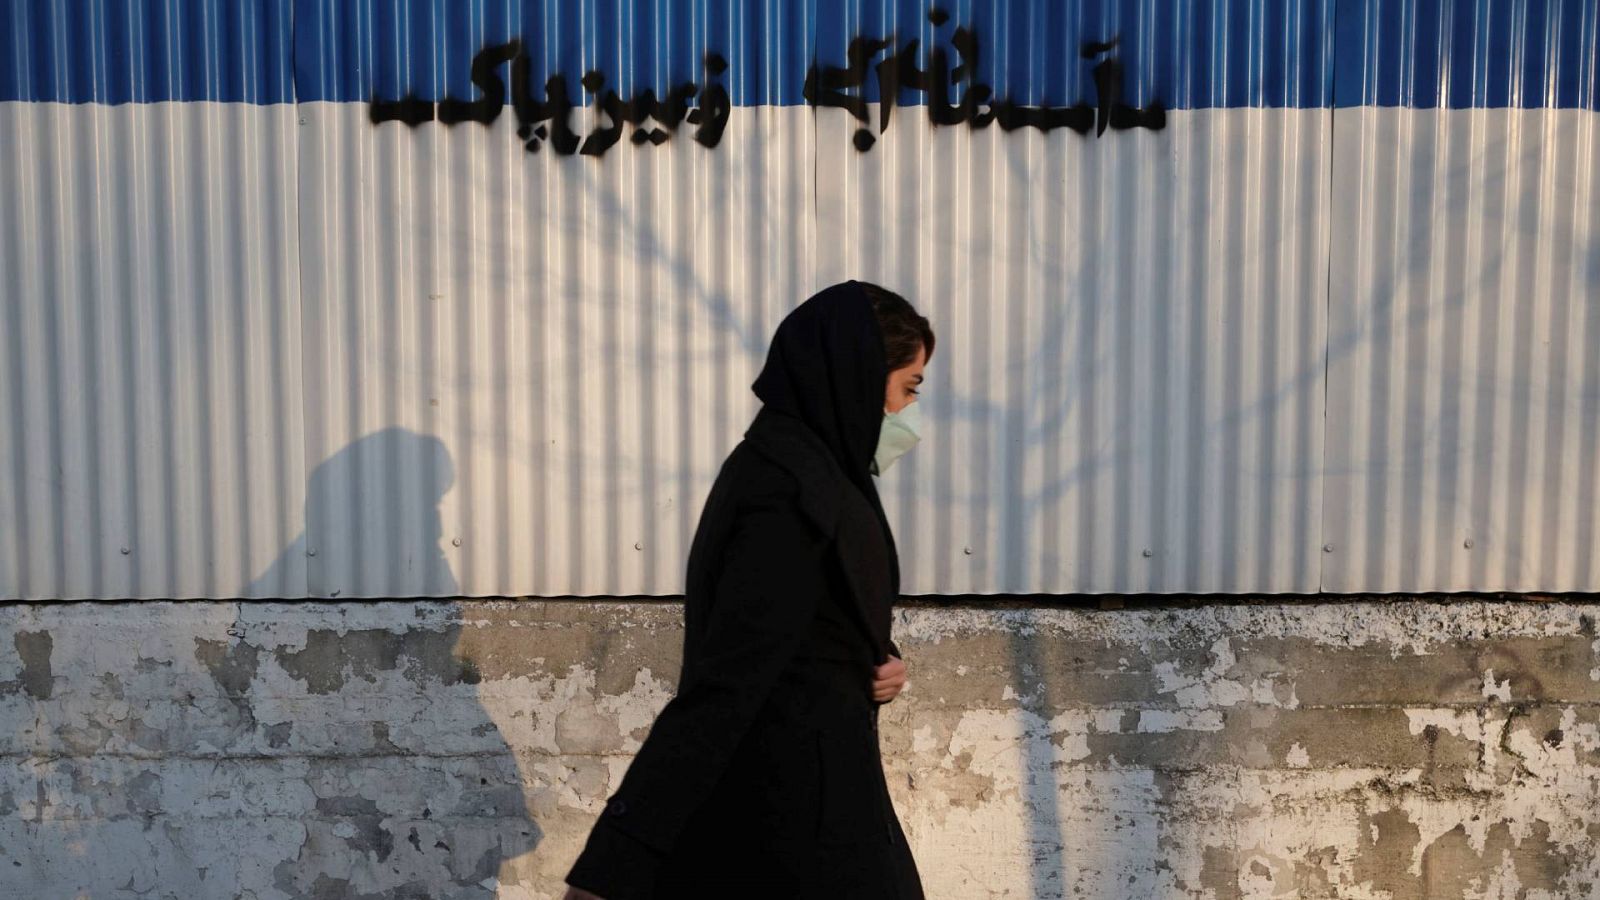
(826, 497)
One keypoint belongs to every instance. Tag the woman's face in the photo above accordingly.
(903, 382)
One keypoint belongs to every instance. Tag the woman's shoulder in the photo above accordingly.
(752, 490)
(753, 476)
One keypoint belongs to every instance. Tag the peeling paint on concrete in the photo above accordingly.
(409, 749)
(33, 650)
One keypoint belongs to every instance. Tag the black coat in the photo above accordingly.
(762, 776)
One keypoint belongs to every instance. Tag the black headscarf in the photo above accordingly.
(827, 368)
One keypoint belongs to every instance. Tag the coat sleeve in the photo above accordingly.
(765, 598)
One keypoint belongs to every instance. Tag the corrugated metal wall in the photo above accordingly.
(152, 443)
(1464, 313)
(579, 332)
(1313, 312)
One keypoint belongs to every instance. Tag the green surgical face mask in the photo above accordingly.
(898, 434)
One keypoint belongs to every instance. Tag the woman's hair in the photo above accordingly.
(904, 330)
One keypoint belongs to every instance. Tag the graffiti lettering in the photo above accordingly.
(715, 105)
(549, 120)
(485, 78)
(832, 87)
(654, 120)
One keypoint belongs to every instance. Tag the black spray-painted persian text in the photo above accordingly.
(653, 119)
(544, 115)
(896, 70)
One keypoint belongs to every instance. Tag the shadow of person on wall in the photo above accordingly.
(409, 788)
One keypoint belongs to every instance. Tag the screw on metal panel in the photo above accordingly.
(967, 550)
(311, 551)
(302, 120)
(455, 542)
(1327, 548)
(637, 545)
(1148, 553)
(126, 551)
(1467, 543)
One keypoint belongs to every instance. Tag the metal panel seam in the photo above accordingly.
(1327, 303)
(299, 208)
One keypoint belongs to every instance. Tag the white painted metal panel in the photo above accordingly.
(1127, 394)
(526, 368)
(150, 329)
(574, 339)
(1464, 351)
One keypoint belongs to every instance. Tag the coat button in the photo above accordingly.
(616, 807)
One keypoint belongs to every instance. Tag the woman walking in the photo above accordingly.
(762, 776)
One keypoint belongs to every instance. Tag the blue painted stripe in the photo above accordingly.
(1272, 53)
(1194, 54)
(1258, 53)
(146, 51)
(1468, 54)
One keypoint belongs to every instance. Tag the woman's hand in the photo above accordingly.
(889, 679)
(577, 893)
